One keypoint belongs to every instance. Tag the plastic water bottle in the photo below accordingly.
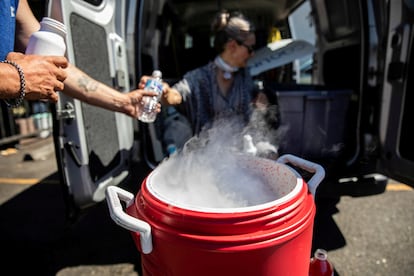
(148, 113)
(320, 265)
(49, 40)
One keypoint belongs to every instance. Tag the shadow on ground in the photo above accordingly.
(36, 238)
(326, 233)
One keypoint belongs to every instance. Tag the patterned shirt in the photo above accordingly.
(203, 103)
(8, 9)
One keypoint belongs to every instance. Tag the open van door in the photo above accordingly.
(93, 145)
(397, 112)
(368, 46)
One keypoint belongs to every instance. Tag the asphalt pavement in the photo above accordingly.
(368, 235)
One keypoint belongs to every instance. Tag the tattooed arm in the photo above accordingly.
(44, 75)
(83, 87)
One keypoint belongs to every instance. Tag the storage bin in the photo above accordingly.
(315, 122)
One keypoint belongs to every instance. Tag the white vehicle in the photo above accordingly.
(346, 103)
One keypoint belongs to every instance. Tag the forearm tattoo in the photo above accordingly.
(87, 84)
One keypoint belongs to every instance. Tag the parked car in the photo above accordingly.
(346, 105)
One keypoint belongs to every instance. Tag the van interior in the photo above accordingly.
(317, 97)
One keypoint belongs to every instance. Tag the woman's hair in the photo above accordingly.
(228, 26)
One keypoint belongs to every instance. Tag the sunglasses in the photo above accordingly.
(250, 48)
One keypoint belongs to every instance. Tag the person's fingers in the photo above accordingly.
(149, 93)
(61, 74)
(143, 81)
(14, 56)
(165, 87)
(49, 95)
(53, 96)
(59, 86)
(58, 61)
(136, 96)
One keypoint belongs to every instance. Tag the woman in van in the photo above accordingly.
(223, 88)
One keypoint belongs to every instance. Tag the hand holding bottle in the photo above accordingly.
(40, 70)
(44, 76)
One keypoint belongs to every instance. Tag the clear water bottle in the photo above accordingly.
(320, 265)
(49, 40)
(148, 112)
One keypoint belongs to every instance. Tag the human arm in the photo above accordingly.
(81, 86)
(26, 25)
(77, 84)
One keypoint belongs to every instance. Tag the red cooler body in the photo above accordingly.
(269, 239)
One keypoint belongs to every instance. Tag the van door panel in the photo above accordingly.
(397, 98)
(93, 144)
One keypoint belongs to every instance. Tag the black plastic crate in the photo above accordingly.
(314, 122)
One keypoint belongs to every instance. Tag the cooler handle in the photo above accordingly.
(318, 170)
(113, 196)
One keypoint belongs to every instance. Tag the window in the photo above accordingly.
(302, 27)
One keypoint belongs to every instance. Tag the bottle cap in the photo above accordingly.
(157, 74)
(171, 148)
(52, 25)
(321, 254)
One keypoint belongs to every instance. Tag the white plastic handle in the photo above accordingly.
(318, 170)
(113, 196)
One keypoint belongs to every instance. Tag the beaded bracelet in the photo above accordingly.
(22, 90)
